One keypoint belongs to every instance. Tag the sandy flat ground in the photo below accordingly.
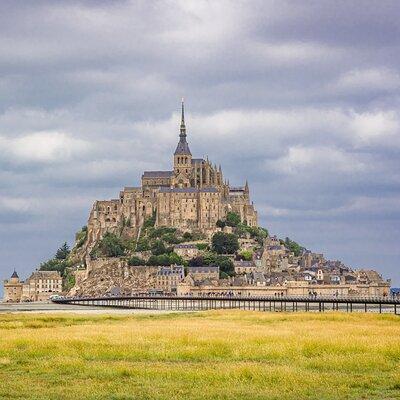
(65, 308)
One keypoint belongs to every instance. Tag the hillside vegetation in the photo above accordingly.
(213, 355)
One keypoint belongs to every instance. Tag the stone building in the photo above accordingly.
(192, 196)
(202, 273)
(41, 285)
(13, 289)
(167, 278)
(186, 250)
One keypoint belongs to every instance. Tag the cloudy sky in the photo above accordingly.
(300, 97)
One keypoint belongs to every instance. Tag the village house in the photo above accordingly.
(186, 250)
(167, 278)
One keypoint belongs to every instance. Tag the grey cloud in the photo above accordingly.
(301, 98)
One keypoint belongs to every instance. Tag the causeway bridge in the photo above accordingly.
(269, 303)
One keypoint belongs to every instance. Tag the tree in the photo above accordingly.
(63, 252)
(294, 247)
(175, 259)
(196, 262)
(232, 219)
(165, 259)
(158, 248)
(55, 265)
(224, 243)
(225, 265)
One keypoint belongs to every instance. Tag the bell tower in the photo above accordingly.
(182, 157)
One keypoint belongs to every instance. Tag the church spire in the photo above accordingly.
(183, 127)
(183, 147)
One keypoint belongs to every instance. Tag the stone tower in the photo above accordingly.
(13, 289)
(182, 158)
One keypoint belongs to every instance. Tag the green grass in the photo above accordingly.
(213, 355)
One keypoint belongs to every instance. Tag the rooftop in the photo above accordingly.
(188, 190)
(157, 174)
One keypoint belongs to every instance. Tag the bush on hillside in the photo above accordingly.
(224, 243)
(111, 245)
(135, 261)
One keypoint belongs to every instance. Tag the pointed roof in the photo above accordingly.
(15, 275)
(183, 146)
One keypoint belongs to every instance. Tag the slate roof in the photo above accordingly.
(15, 275)
(157, 174)
(178, 190)
(167, 271)
(185, 246)
(188, 190)
(197, 160)
(206, 269)
(183, 147)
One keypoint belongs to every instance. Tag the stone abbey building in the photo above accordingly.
(192, 196)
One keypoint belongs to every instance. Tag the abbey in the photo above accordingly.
(192, 196)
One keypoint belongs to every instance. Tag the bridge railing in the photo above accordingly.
(265, 303)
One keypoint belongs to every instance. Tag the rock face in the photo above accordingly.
(113, 276)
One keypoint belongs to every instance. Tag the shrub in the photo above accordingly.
(143, 244)
(187, 236)
(170, 238)
(158, 248)
(165, 259)
(220, 224)
(232, 219)
(196, 262)
(202, 246)
(293, 247)
(111, 245)
(246, 255)
(149, 222)
(135, 260)
(224, 263)
(80, 237)
(159, 232)
(69, 281)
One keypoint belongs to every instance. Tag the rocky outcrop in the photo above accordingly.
(113, 276)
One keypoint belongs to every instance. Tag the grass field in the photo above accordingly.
(212, 355)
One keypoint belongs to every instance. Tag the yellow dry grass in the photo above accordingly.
(211, 355)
